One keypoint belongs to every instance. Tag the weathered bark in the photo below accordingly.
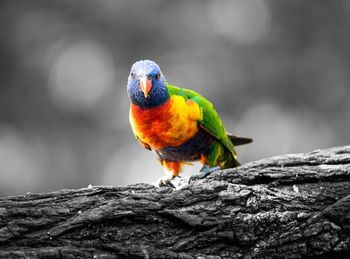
(289, 206)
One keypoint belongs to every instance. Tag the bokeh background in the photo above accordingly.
(277, 71)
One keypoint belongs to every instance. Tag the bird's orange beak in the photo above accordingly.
(145, 85)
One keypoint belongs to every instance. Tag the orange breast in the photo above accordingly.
(170, 124)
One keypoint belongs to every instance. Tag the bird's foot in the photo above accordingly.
(166, 181)
(204, 172)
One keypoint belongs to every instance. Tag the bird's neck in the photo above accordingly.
(157, 96)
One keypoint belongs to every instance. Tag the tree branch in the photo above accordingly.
(289, 206)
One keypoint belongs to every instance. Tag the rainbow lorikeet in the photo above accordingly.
(177, 124)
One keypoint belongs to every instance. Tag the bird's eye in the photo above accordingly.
(132, 75)
(157, 76)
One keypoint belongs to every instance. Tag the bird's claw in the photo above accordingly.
(198, 176)
(204, 172)
(165, 182)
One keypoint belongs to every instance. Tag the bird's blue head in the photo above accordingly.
(146, 84)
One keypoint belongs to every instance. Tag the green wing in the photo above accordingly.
(211, 121)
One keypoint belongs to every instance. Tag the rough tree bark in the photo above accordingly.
(289, 206)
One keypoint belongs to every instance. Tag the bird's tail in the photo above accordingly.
(236, 141)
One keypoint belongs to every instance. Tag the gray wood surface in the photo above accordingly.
(290, 206)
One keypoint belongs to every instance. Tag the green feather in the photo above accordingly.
(211, 121)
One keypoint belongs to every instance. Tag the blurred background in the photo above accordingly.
(276, 71)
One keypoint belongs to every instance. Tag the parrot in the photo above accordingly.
(180, 126)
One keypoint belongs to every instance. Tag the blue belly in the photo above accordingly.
(190, 150)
